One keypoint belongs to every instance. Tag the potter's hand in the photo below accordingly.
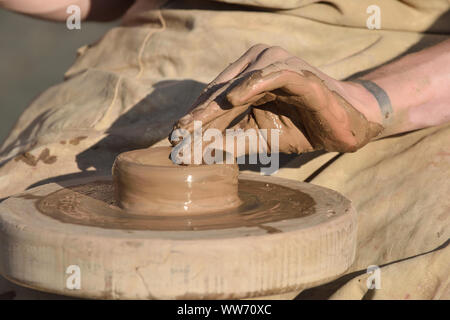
(267, 88)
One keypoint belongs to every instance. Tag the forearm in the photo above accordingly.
(99, 10)
(417, 86)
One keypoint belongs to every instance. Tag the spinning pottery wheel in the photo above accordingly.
(162, 231)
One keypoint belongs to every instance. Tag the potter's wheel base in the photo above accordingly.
(126, 262)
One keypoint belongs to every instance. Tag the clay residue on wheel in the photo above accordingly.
(93, 204)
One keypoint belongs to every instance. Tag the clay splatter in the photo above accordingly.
(76, 141)
(269, 229)
(32, 160)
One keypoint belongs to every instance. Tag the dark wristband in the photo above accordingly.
(383, 100)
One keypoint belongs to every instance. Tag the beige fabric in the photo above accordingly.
(127, 90)
(399, 187)
(423, 277)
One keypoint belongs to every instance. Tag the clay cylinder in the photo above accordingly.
(147, 182)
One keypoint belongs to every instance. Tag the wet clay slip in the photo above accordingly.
(147, 182)
(149, 192)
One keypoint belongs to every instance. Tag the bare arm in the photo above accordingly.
(99, 10)
(418, 87)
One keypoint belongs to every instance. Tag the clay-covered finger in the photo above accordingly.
(216, 111)
(218, 85)
(271, 56)
(205, 111)
(291, 136)
(211, 116)
(238, 66)
(303, 88)
(266, 80)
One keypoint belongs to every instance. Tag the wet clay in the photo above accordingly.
(150, 192)
(93, 204)
(147, 182)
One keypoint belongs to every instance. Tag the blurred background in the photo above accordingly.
(34, 56)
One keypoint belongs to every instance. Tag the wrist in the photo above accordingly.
(362, 100)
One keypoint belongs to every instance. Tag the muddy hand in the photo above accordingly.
(267, 88)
